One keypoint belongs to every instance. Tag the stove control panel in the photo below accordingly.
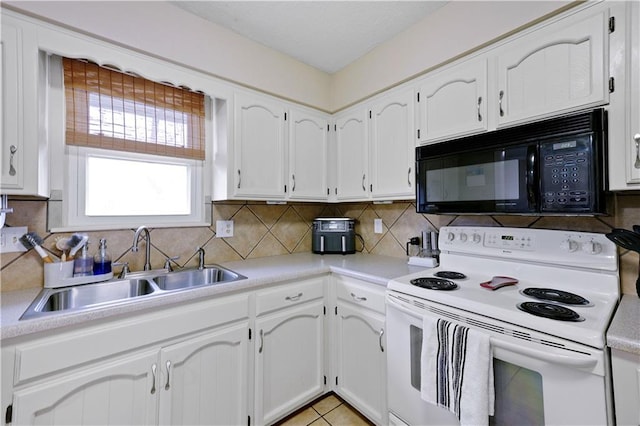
(581, 249)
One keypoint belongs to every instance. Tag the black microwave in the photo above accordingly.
(554, 166)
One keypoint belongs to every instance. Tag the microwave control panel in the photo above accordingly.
(566, 174)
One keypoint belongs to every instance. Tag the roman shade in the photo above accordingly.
(109, 109)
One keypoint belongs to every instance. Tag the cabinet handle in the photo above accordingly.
(363, 178)
(500, 103)
(239, 178)
(380, 339)
(636, 138)
(261, 342)
(293, 187)
(358, 298)
(12, 151)
(479, 102)
(293, 298)
(153, 376)
(409, 177)
(168, 384)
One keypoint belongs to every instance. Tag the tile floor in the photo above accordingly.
(328, 410)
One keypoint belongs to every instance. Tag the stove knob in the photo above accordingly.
(569, 245)
(451, 236)
(591, 247)
(463, 237)
(476, 238)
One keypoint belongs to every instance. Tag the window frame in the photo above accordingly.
(66, 208)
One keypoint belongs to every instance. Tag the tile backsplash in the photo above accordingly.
(262, 230)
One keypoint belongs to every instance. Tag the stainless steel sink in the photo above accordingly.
(196, 277)
(84, 296)
(134, 287)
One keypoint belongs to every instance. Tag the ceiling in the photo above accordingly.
(327, 35)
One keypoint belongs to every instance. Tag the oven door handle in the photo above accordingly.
(575, 360)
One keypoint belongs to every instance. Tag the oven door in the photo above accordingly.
(490, 180)
(535, 383)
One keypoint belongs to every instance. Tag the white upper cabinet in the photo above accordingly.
(23, 149)
(308, 135)
(453, 102)
(393, 146)
(352, 155)
(624, 111)
(259, 147)
(557, 68)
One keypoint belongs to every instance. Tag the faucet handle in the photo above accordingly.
(125, 269)
(167, 263)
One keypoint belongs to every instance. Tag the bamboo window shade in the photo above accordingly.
(112, 110)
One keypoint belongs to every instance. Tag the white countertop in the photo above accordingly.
(624, 331)
(260, 272)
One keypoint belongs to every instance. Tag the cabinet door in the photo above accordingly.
(203, 380)
(23, 149)
(352, 153)
(259, 148)
(288, 360)
(560, 67)
(118, 392)
(307, 156)
(393, 146)
(634, 96)
(361, 360)
(453, 102)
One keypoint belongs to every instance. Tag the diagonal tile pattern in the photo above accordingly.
(265, 230)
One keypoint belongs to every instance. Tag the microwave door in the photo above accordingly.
(486, 181)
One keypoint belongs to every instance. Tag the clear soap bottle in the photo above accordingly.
(83, 264)
(102, 259)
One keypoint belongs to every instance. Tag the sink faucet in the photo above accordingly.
(200, 258)
(147, 255)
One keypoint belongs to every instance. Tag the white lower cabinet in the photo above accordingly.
(360, 353)
(625, 367)
(289, 348)
(204, 379)
(116, 392)
(183, 365)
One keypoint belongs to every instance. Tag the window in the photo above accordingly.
(135, 149)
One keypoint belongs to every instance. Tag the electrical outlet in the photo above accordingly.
(224, 228)
(10, 239)
(377, 226)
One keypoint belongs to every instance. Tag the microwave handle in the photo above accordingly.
(532, 176)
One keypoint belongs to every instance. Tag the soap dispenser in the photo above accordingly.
(102, 259)
(83, 264)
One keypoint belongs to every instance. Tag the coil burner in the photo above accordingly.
(434, 283)
(450, 275)
(550, 310)
(557, 296)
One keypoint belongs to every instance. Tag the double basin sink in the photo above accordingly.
(135, 286)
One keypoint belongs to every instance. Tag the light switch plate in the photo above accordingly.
(377, 226)
(224, 228)
(10, 239)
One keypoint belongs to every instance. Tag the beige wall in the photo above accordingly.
(453, 29)
(265, 230)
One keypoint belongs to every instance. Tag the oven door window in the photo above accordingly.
(481, 181)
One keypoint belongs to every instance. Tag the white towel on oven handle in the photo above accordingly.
(457, 370)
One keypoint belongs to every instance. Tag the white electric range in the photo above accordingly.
(570, 282)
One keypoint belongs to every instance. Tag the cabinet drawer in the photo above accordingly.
(74, 348)
(289, 295)
(361, 293)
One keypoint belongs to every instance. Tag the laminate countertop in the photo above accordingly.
(624, 332)
(260, 272)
